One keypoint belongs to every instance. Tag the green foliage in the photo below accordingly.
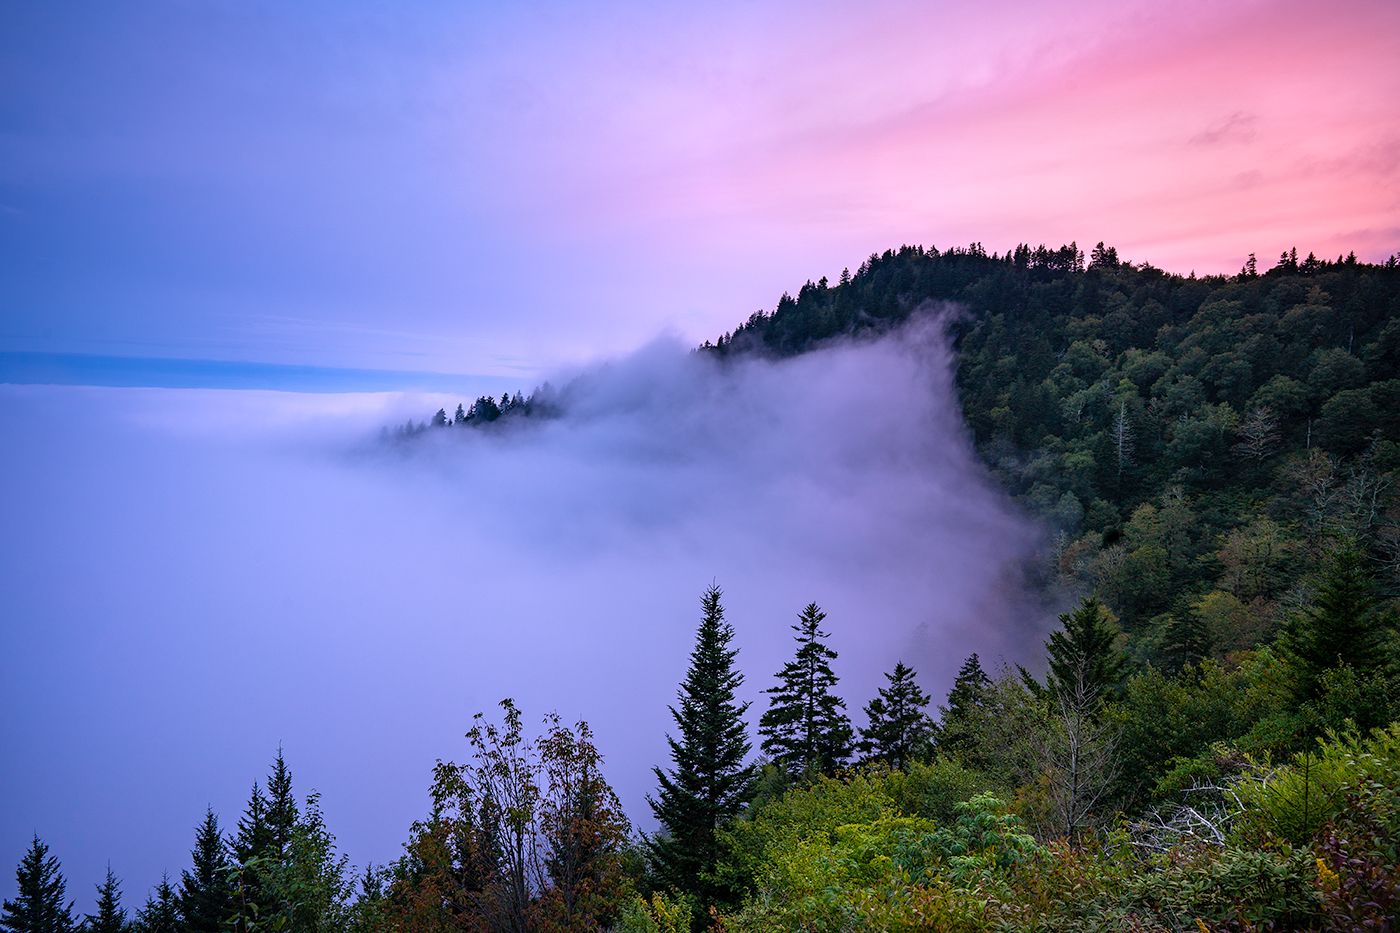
(1167, 722)
(1231, 888)
(985, 837)
(933, 789)
(1084, 659)
(1346, 772)
(709, 783)
(287, 876)
(898, 724)
(660, 914)
(39, 905)
(206, 891)
(966, 696)
(805, 729)
(110, 916)
(1346, 627)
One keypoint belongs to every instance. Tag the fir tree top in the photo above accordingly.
(39, 906)
(898, 723)
(1084, 659)
(1346, 625)
(110, 916)
(709, 783)
(805, 727)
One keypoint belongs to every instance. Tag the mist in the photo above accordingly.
(193, 578)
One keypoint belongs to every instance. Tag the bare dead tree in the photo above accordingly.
(1259, 436)
(1122, 434)
(1079, 756)
(1316, 480)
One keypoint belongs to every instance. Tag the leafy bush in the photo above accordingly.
(933, 789)
(1346, 772)
(661, 914)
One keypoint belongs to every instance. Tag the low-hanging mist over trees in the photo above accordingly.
(1207, 740)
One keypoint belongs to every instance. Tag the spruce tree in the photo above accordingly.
(254, 835)
(805, 728)
(898, 722)
(709, 783)
(250, 847)
(1187, 640)
(955, 732)
(161, 914)
(1084, 660)
(206, 894)
(281, 809)
(39, 905)
(1344, 626)
(110, 916)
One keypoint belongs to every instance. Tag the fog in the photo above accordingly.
(192, 578)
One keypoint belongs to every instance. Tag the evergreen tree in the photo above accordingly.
(161, 914)
(1186, 641)
(206, 894)
(954, 732)
(1084, 660)
(898, 723)
(710, 783)
(254, 835)
(250, 847)
(281, 809)
(805, 727)
(39, 905)
(110, 916)
(1346, 625)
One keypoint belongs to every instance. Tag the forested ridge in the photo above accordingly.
(1214, 743)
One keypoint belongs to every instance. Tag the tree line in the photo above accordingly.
(528, 835)
(1214, 745)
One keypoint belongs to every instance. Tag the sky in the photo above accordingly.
(236, 239)
(494, 190)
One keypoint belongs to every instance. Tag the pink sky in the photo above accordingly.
(1188, 138)
(502, 190)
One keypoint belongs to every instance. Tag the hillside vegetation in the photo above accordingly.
(1213, 748)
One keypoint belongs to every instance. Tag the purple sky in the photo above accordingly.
(498, 189)
(506, 193)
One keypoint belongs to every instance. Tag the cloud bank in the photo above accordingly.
(195, 576)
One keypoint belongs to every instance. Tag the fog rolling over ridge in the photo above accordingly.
(193, 577)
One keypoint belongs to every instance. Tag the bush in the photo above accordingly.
(1346, 772)
(934, 789)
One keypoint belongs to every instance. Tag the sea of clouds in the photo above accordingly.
(192, 578)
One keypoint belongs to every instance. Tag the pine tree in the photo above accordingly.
(39, 905)
(805, 728)
(110, 916)
(1188, 640)
(161, 914)
(281, 809)
(206, 895)
(710, 783)
(1345, 626)
(1083, 657)
(898, 723)
(254, 834)
(955, 733)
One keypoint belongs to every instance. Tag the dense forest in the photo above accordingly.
(1214, 745)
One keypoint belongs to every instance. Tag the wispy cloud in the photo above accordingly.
(194, 577)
